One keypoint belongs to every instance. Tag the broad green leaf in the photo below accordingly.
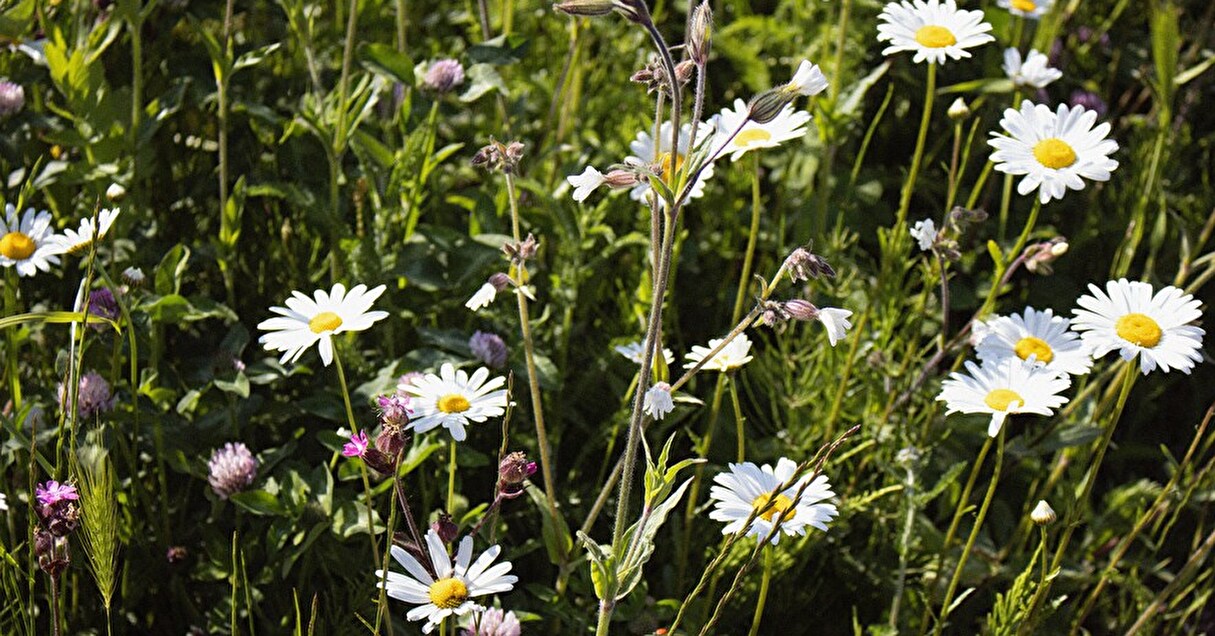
(388, 62)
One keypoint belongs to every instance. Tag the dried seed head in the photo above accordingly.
(803, 265)
(522, 251)
(497, 156)
(1043, 514)
(700, 35)
(772, 313)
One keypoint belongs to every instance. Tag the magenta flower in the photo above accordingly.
(394, 409)
(52, 492)
(357, 446)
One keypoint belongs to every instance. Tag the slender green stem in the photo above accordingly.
(738, 421)
(974, 533)
(744, 278)
(451, 476)
(402, 18)
(11, 357)
(354, 428)
(603, 626)
(840, 44)
(918, 155)
(764, 582)
(221, 81)
(702, 451)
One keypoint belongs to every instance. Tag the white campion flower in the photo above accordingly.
(658, 401)
(808, 80)
(586, 183)
(925, 234)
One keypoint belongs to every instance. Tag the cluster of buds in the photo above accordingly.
(633, 10)
(957, 222)
(654, 75)
(381, 455)
(498, 156)
(1040, 257)
(520, 252)
(58, 516)
(804, 265)
(513, 472)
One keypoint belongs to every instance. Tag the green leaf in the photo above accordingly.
(482, 79)
(170, 270)
(259, 502)
(388, 62)
(238, 387)
(57, 317)
(502, 50)
(556, 535)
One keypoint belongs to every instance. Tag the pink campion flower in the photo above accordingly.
(357, 446)
(53, 492)
(394, 409)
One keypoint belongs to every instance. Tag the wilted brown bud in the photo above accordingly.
(496, 156)
(522, 251)
(772, 313)
(445, 528)
(684, 71)
(379, 461)
(176, 554)
(699, 36)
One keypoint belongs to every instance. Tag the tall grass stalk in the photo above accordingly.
(100, 523)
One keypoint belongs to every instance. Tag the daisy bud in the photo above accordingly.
(12, 98)
(489, 348)
(115, 193)
(658, 401)
(1043, 514)
(702, 27)
(445, 528)
(803, 265)
(958, 110)
(232, 469)
(133, 276)
(443, 76)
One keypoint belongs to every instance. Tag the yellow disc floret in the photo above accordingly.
(1001, 399)
(935, 37)
(1139, 329)
(453, 403)
(448, 593)
(1025, 6)
(747, 137)
(781, 504)
(1054, 153)
(17, 246)
(671, 162)
(1031, 346)
(325, 321)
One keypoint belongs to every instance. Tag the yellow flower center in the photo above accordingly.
(1139, 329)
(671, 162)
(17, 246)
(1027, 6)
(448, 593)
(453, 403)
(324, 321)
(1054, 153)
(781, 504)
(1000, 399)
(746, 137)
(935, 37)
(1031, 346)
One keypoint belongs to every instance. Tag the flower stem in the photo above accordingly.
(739, 420)
(451, 476)
(354, 428)
(763, 591)
(694, 490)
(918, 155)
(974, 533)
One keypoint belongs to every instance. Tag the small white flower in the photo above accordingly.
(925, 233)
(732, 356)
(1032, 9)
(314, 321)
(932, 29)
(77, 241)
(836, 322)
(3, 502)
(451, 590)
(28, 242)
(1038, 334)
(585, 183)
(748, 488)
(643, 151)
(633, 351)
(1004, 388)
(808, 80)
(787, 125)
(452, 399)
(1130, 319)
(658, 401)
(1035, 72)
(1053, 149)
(115, 192)
(482, 297)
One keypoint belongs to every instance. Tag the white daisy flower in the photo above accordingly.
(28, 242)
(452, 399)
(314, 321)
(77, 241)
(1129, 318)
(1004, 388)
(747, 488)
(658, 401)
(1053, 149)
(449, 592)
(932, 29)
(584, 184)
(788, 124)
(808, 80)
(643, 151)
(1038, 334)
(1035, 72)
(1032, 9)
(925, 233)
(633, 351)
(732, 356)
(836, 321)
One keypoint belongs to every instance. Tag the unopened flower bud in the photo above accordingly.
(499, 281)
(391, 440)
(799, 309)
(772, 313)
(765, 106)
(585, 8)
(1043, 514)
(958, 110)
(1042, 256)
(133, 276)
(522, 251)
(684, 71)
(115, 193)
(445, 528)
(699, 36)
(379, 461)
(515, 468)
